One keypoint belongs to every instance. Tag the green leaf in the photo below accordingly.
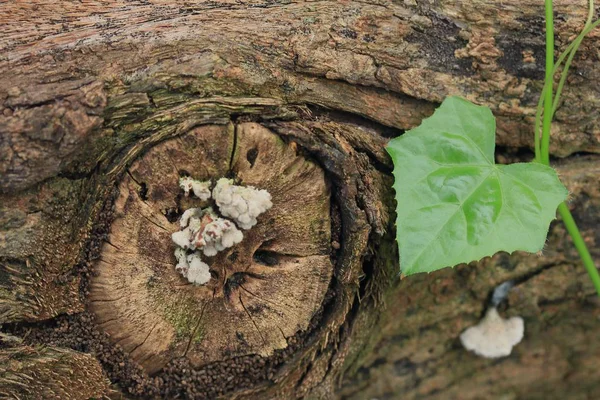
(454, 204)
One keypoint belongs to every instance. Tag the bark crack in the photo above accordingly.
(251, 319)
(145, 339)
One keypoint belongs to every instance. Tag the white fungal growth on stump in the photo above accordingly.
(184, 221)
(203, 229)
(182, 263)
(198, 271)
(192, 267)
(205, 232)
(494, 336)
(215, 234)
(242, 204)
(200, 189)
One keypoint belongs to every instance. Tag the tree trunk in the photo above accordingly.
(106, 104)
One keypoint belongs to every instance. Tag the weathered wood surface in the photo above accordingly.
(263, 291)
(72, 71)
(28, 372)
(415, 352)
(86, 88)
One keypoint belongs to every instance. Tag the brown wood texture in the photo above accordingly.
(250, 306)
(90, 90)
(48, 372)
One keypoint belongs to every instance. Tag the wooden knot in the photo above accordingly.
(263, 290)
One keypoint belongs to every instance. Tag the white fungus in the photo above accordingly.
(182, 263)
(206, 231)
(189, 213)
(191, 222)
(201, 189)
(218, 234)
(182, 238)
(192, 267)
(242, 204)
(198, 271)
(493, 337)
(203, 231)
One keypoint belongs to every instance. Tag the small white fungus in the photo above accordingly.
(216, 235)
(182, 263)
(493, 337)
(198, 271)
(182, 238)
(200, 188)
(206, 231)
(189, 213)
(192, 267)
(242, 204)
(203, 231)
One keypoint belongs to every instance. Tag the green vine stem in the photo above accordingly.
(579, 243)
(567, 53)
(549, 79)
(548, 103)
(576, 43)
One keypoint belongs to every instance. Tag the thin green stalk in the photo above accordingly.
(579, 243)
(537, 125)
(567, 52)
(549, 106)
(576, 43)
(549, 78)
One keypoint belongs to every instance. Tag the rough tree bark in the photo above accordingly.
(104, 103)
